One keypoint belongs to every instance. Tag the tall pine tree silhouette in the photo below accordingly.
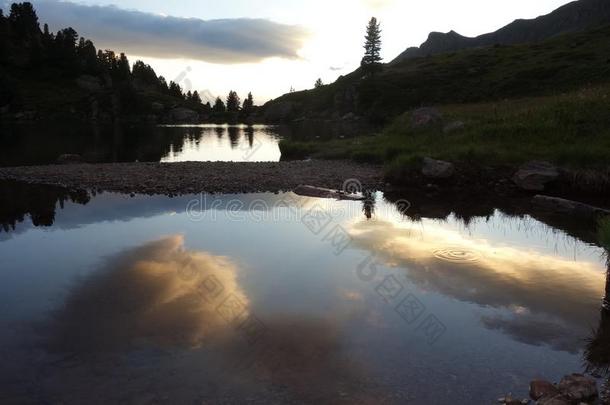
(371, 61)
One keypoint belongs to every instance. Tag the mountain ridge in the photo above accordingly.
(572, 17)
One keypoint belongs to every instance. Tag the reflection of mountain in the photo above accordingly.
(150, 294)
(545, 299)
(39, 202)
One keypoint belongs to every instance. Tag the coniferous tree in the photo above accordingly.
(319, 84)
(163, 85)
(123, 69)
(371, 61)
(195, 98)
(87, 56)
(248, 104)
(3, 35)
(145, 74)
(219, 106)
(24, 20)
(233, 102)
(175, 90)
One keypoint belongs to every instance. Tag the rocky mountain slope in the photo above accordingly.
(572, 17)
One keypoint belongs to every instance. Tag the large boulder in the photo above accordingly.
(574, 208)
(425, 117)
(437, 169)
(578, 387)
(534, 176)
(542, 389)
(184, 115)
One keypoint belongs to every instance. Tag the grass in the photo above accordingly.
(571, 130)
(604, 233)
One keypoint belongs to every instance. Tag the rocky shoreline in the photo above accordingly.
(198, 177)
(573, 389)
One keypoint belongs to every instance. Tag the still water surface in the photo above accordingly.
(261, 297)
(37, 144)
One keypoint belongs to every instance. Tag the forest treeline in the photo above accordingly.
(33, 59)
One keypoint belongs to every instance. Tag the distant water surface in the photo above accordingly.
(41, 143)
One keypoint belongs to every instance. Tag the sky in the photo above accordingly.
(270, 46)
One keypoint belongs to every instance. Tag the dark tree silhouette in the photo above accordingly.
(372, 47)
(145, 74)
(123, 69)
(233, 102)
(24, 47)
(319, 83)
(23, 20)
(195, 98)
(87, 54)
(175, 89)
(163, 87)
(3, 36)
(248, 105)
(219, 106)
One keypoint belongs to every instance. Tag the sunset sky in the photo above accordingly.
(269, 46)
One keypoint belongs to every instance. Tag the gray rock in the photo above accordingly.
(563, 206)
(438, 169)
(578, 387)
(89, 83)
(454, 126)
(534, 176)
(541, 388)
(425, 117)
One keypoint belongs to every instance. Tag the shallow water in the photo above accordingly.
(44, 143)
(279, 299)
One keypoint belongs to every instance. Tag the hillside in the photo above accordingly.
(564, 63)
(572, 17)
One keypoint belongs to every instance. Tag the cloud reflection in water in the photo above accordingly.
(147, 294)
(549, 299)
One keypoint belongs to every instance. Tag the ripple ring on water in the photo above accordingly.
(454, 255)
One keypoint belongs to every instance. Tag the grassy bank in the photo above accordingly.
(571, 130)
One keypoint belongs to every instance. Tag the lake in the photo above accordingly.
(44, 143)
(277, 298)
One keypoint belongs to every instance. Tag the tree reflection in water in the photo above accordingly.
(18, 200)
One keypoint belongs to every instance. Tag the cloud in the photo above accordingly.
(377, 4)
(224, 41)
